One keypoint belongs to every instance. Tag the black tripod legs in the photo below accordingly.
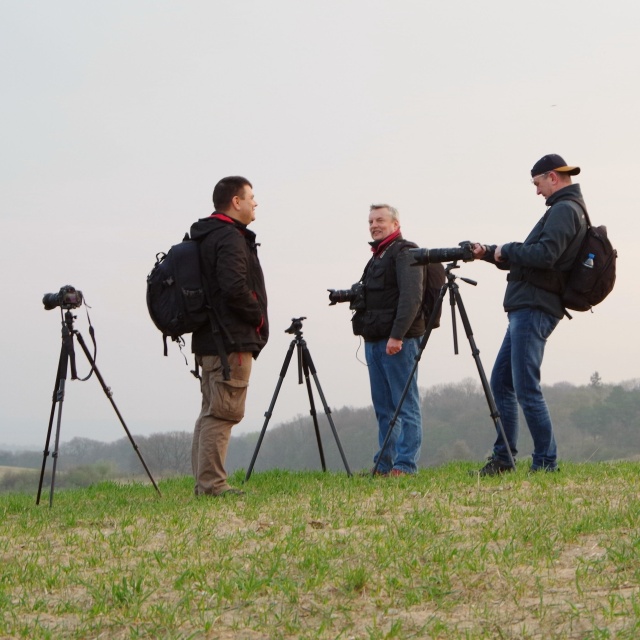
(306, 366)
(304, 354)
(58, 399)
(475, 352)
(269, 412)
(109, 395)
(67, 358)
(455, 300)
(309, 366)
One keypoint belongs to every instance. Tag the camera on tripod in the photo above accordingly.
(67, 298)
(354, 296)
(464, 252)
(71, 298)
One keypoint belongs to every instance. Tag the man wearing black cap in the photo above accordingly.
(534, 307)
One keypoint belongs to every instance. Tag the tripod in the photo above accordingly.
(455, 299)
(67, 356)
(305, 364)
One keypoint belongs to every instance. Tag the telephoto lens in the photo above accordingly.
(464, 252)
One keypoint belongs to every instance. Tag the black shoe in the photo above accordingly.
(495, 468)
(553, 469)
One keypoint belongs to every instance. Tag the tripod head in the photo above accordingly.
(451, 276)
(68, 334)
(67, 319)
(296, 326)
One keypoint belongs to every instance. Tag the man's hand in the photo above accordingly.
(479, 250)
(393, 346)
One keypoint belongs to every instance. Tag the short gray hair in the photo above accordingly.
(395, 216)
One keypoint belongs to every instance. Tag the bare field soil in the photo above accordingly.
(443, 554)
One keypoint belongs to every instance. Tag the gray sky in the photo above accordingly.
(118, 118)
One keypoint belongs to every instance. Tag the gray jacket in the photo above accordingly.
(552, 244)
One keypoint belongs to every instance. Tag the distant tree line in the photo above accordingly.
(592, 422)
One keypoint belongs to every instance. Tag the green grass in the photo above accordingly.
(313, 555)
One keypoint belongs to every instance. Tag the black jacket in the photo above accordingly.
(393, 295)
(552, 245)
(235, 286)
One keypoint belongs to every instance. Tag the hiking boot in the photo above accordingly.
(396, 473)
(495, 467)
(553, 469)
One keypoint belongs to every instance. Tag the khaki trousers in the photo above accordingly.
(223, 403)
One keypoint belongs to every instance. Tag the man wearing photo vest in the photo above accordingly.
(392, 324)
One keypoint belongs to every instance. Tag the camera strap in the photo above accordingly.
(67, 341)
(92, 333)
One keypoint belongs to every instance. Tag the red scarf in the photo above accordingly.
(383, 244)
(223, 217)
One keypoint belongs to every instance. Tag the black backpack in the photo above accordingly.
(591, 277)
(177, 299)
(593, 273)
(434, 279)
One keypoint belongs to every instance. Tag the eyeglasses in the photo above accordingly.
(536, 179)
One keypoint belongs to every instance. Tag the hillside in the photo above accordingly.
(595, 422)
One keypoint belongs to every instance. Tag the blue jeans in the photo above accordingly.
(388, 376)
(516, 380)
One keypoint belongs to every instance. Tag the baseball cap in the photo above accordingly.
(553, 162)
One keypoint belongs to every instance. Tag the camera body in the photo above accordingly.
(464, 252)
(67, 298)
(354, 296)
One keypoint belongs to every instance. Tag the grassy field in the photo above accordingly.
(313, 555)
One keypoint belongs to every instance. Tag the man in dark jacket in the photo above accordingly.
(534, 306)
(391, 324)
(236, 292)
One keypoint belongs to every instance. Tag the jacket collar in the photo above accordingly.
(570, 191)
(224, 218)
(379, 246)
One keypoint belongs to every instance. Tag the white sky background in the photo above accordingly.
(118, 118)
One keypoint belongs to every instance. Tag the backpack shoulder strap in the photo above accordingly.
(586, 215)
(583, 207)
